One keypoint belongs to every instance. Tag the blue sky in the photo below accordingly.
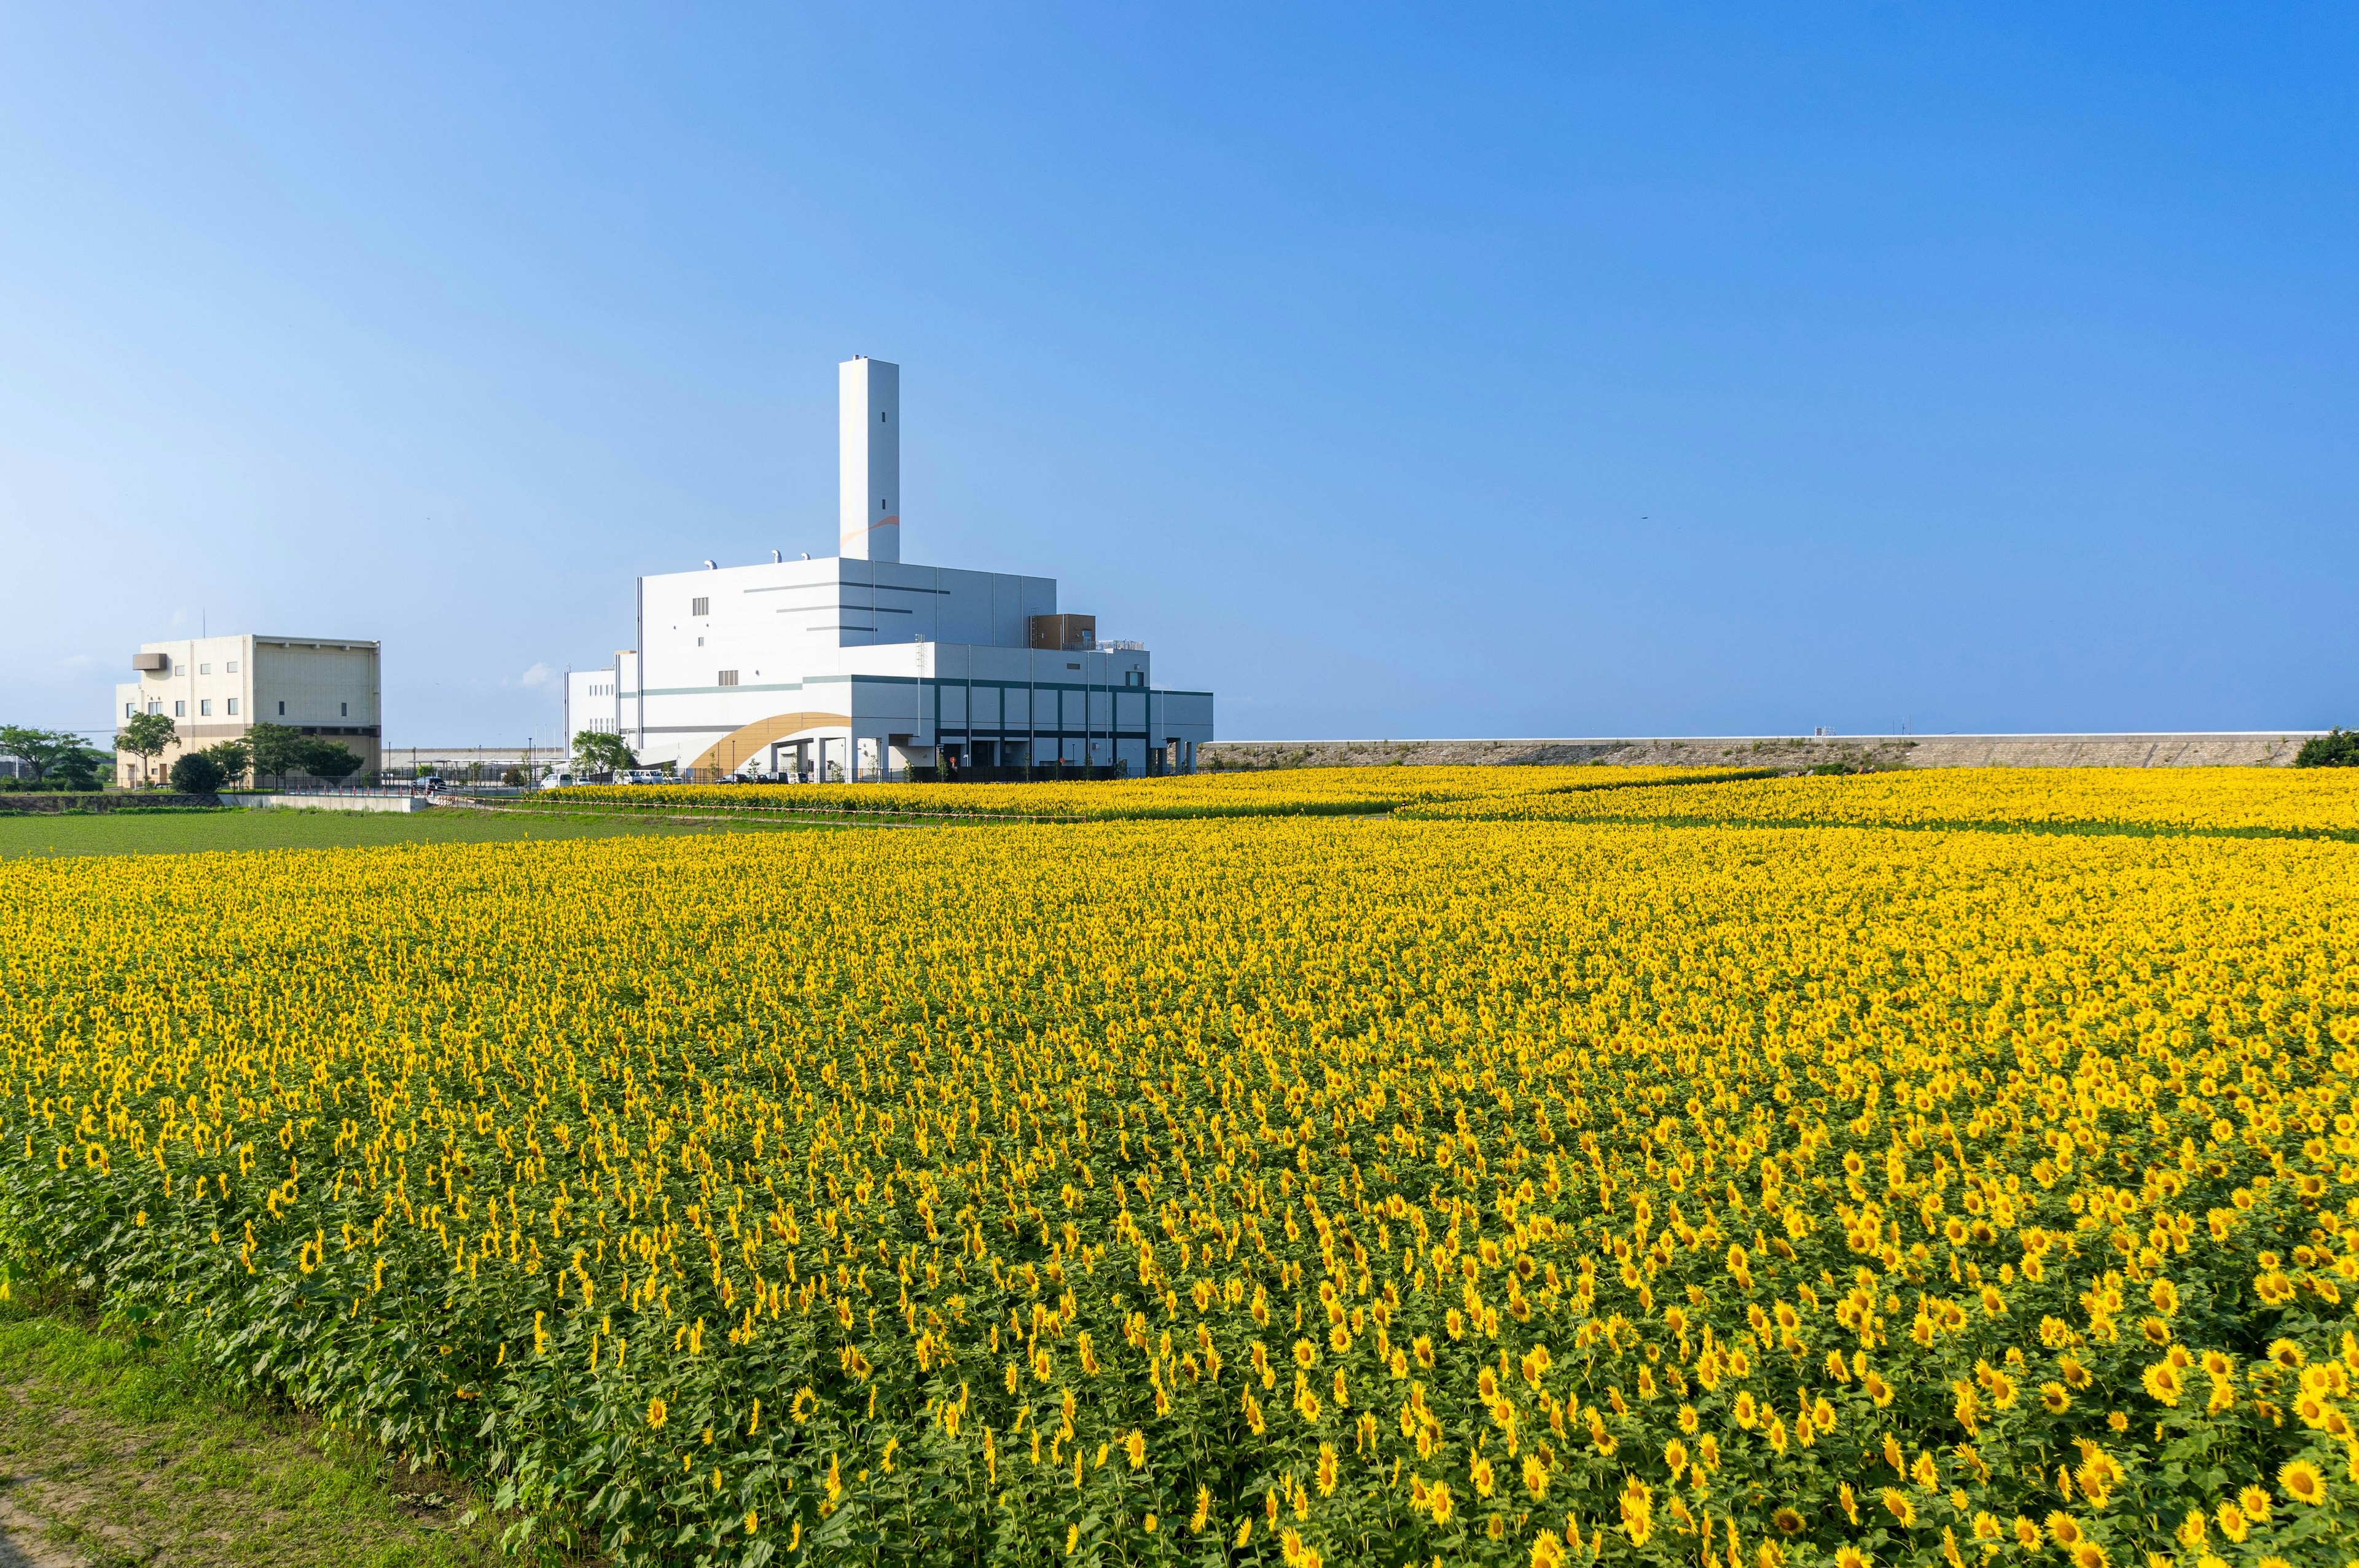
(1392, 372)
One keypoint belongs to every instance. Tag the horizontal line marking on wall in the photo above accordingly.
(873, 587)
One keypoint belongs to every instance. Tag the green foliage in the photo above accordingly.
(54, 759)
(231, 758)
(594, 751)
(83, 768)
(194, 773)
(277, 750)
(326, 759)
(2338, 748)
(171, 1462)
(144, 736)
(48, 752)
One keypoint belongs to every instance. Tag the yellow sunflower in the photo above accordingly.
(2302, 1482)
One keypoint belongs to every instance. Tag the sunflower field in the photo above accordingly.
(1247, 1191)
(2260, 801)
(1303, 791)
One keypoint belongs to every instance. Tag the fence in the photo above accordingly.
(1048, 772)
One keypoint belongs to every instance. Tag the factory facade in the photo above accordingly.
(862, 666)
(217, 688)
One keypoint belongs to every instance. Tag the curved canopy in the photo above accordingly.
(748, 740)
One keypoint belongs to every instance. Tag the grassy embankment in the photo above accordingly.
(114, 1451)
(189, 832)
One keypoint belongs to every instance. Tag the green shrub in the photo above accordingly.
(2338, 748)
(196, 774)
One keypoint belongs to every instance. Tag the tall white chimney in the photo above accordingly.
(868, 476)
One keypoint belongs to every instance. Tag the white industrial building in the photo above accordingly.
(858, 664)
(217, 688)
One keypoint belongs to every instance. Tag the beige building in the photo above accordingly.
(217, 688)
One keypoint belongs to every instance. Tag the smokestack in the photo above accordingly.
(868, 476)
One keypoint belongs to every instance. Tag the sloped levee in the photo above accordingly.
(2254, 750)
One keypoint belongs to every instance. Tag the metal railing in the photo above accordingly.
(1044, 773)
(375, 790)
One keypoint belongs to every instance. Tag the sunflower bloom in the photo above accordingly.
(2300, 1480)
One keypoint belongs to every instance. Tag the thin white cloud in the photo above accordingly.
(539, 675)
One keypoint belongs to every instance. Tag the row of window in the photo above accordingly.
(205, 708)
(173, 669)
(180, 707)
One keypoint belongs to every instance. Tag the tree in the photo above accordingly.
(596, 751)
(42, 752)
(231, 758)
(194, 773)
(2338, 748)
(276, 750)
(81, 768)
(331, 759)
(144, 736)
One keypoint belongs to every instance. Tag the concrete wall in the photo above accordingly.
(395, 803)
(2233, 748)
(775, 615)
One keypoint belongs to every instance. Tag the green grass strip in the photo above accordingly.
(118, 1449)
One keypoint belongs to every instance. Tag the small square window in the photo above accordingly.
(728, 677)
(345, 709)
(231, 667)
(700, 607)
(130, 709)
(233, 708)
(282, 711)
(204, 707)
(179, 709)
(204, 669)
